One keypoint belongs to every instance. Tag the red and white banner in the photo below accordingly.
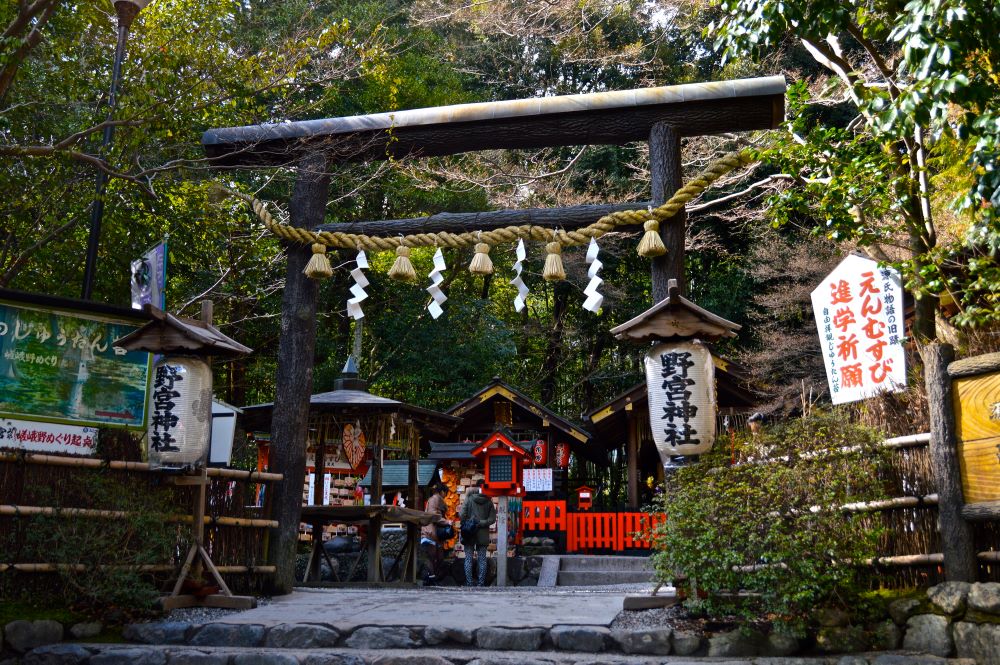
(860, 320)
(47, 437)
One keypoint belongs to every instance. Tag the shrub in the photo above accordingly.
(112, 551)
(772, 524)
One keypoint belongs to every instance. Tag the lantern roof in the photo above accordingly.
(675, 317)
(167, 333)
(499, 440)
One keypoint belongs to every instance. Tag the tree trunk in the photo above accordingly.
(665, 172)
(293, 382)
(960, 563)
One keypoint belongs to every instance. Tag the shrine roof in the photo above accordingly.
(360, 401)
(496, 387)
(611, 117)
(396, 473)
(462, 450)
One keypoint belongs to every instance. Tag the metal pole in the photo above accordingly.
(126, 14)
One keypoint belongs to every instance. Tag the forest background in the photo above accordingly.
(889, 148)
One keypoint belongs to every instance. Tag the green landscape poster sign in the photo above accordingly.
(63, 367)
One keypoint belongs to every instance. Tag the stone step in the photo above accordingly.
(603, 563)
(118, 654)
(601, 577)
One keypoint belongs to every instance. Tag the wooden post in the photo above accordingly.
(293, 381)
(665, 174)
(502, 520)
(375, 524)
(960, 563)
(632, 458)
(413, 530)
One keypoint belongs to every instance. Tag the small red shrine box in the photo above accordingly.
(584, 497)
(503, 462)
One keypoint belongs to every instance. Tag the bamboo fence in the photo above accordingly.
(38, 491)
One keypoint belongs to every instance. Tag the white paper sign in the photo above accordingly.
(47, 437)
(326, 489)
(859, 317)
(680, 382)
(538, 480)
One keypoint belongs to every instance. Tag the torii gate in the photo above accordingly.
(660, 115)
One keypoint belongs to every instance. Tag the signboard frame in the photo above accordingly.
(100, 314)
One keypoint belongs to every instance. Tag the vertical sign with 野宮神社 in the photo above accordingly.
(859, 317)
(63, 367)
(680, 381)
(977, 428)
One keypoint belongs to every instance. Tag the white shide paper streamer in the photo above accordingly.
(522, 289)
(358, 290)
(594, 299)
(437, 295)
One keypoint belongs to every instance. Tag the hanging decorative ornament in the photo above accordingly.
(651, 244)
(522, 290)
(437, 295)
(354, 444)
(319, 265)
(594, 299)
(553, 270)
(358, 290)
(481, 263)
(402, 270)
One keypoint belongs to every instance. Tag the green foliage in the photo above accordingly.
(112, 550)
(772, 524)
(914, 74)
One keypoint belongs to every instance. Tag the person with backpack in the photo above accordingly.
(478, 514)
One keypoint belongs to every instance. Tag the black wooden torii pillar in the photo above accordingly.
(661, 116)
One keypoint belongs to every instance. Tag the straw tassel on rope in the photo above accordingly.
(318, 266)
(652, 244)
(553, 271)
(402, 270)
(481, 263)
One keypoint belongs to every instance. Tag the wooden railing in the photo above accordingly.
(588, 531)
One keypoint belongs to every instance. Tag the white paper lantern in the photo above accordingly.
(180, 413)
(680, 382)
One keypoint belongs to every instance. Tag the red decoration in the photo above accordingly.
(540, 452)
(584, 497)
(562, 455)
(354, 445)
(503, 462)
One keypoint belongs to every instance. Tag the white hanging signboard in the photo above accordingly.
(680, 381)
(47, 437)
(538, 480)
(859, 317)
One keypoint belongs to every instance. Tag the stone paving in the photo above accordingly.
(438, 606)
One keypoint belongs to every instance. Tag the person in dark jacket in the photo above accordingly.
(478, 507)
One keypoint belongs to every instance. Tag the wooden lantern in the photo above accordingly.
(503, 463)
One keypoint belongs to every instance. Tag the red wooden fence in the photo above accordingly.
(591, 530)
